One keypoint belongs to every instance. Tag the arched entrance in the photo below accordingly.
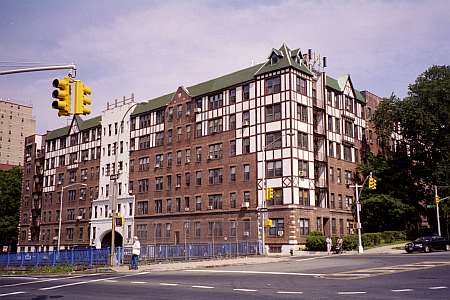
(106, 240)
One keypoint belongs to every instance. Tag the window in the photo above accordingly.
(348, 177)
(169, 182)
(273, 112)
(179, 111)
(215, 151)
(188, 132)
(302, 113)
(304, 197)
(215, 228)
(339, 176)
(347, 153)
(215, 176)
(246, 118)
(246, 172)
(158, 206)
(198, 154)
(233, 148)
(246, 92)
(144, 163)
(302, 140)
(304, 226)
(143, 185)
(273, 85)
(169, 159)
(303, 169)
(246, 145)
(160, 116)
(273, 140)
(168, 229)
(158, 231)
(233, 174)
(336, 100)
(338, 151)
(233, 228)
(330, 123)
(355, 132)
(340, 203)
(178, 158)
(72, 195)
(62, 160)
(144, 120)
(159, 139)
(215, 201)
(69, 234)
(232, 121)
(144, 142)
(198, 203)
(169, 136)
(331, 149)
(274, 168)
(348, 128)
(170, 114)
(338, 126)
(142, 207)
(300, 85)
(277, 197)
(331, 174)
(178, 204)
(141, 231)
(332, 201)
(198, 129)
(215, 125)
(178, 181)
(71, 214)
(159, 183)
(187, 178)
(179, 134)
(215, 101)
(233, 197)
(348, 104)
(169, 205)
(198, 178)
(277, 228)
(186, 202)
(329, 98)
(159, 158)
(333, 226)
(232, 96)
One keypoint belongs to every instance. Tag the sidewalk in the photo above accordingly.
(188, 265)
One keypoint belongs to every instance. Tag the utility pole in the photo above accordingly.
(37, 69)
(436, 198)
(358, 218)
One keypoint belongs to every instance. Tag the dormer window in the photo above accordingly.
(273, 59)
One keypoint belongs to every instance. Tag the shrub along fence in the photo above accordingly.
(316, 240)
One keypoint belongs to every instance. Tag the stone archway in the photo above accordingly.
(106, 240)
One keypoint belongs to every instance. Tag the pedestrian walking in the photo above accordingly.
(135, 252)
(329, 244)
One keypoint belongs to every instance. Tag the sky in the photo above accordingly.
(150, 48)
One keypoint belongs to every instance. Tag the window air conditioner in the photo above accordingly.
(246, 233)
(246, 123)
(79, 217)
(186, 209)
(280, 232)
(178, 186)
(211, 156)
(245, 204)
(210, 207)
(198, 110)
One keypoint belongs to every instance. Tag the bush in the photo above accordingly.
(371, 239)
(316, 242)
(392, 236)
(315, 233)
(350, 242)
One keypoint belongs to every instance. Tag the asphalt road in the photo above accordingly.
(416, 276)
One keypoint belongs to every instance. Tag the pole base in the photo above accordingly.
(360, 250)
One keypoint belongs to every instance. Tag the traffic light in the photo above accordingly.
(372, 183)
(81, 98)
(269, 193)
(120, 220)
(62, 96)
(437, 199)
(269, 223)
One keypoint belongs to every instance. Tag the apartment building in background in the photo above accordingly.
(192, 163)
(16, 123)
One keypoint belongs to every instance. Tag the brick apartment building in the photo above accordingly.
(194, 160)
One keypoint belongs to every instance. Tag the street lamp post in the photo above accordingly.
(61, 207)
(358, 210)
(115, 176)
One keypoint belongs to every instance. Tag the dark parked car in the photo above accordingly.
(428, 243)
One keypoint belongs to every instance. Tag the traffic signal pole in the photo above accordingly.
(37, 69)
(437, 210)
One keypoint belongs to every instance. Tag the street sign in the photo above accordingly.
(431, 206)
(262, 209)
(114, 177)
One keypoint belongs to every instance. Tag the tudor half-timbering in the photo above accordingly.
(72, 156)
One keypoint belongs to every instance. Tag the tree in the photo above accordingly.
(422, 160)
(10, 190)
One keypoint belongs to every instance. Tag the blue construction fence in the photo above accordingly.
(91, 257)
(76, 257)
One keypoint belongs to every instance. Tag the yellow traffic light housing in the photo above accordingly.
(372, 183)
(82, 92)
(268, 223)
(62, 95)
(269, 193)
(437, 199)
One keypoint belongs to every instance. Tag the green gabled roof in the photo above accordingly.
(223, 81)
(359, 96)
(57, 133)
(332, 83)
(284, 62)
(82, 125)
(152, 104)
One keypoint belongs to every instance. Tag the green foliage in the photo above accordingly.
(316, 242)
(316, 233)
(350, 242)
(10, 189)
(385, 213)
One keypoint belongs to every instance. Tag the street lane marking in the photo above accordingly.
(402, 290)
(437, 288)
(13, 293)
(47, 280)
(351, 293)
(245, 290)
(168, 284)
(110, 280)
(256, 272)
(311, 258)
(21, 277)
(287, 292)
(139, 282)
(202, 287)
